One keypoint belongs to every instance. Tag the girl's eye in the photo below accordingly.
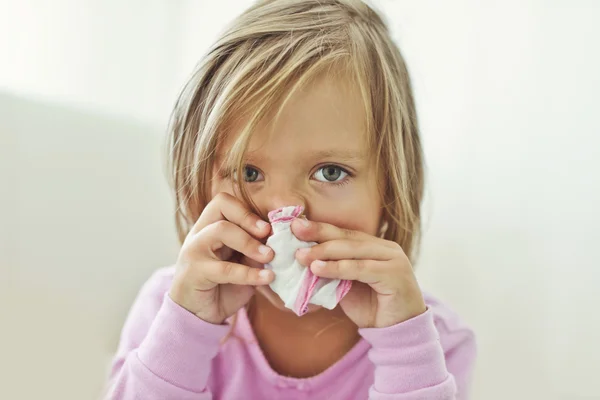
(330, 173)
(250, 174)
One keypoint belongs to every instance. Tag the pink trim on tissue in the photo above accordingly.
(305, 293)
(275, 215)
(342, 289)
(308, 287)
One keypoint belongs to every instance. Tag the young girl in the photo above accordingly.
(300, 103)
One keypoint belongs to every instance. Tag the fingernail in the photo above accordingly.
(261, 224)
(318, 264)
(262, 249)
(264, 274)
(304, 222)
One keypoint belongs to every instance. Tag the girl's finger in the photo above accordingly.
(311, 231)
(224, 272)
(366, 271)
(341, 249)
(226, 234)
(226, 207)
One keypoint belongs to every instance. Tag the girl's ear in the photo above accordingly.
(383, 229)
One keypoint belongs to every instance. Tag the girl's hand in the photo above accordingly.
(388, 293)
(209, 280)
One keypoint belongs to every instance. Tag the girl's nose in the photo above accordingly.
(277, 199)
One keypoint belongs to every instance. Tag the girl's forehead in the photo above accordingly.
(326, 116)
(297, 148)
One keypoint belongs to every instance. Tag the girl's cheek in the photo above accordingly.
(341, 190)
(219, 185)
(351, 209)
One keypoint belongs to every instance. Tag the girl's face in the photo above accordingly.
(314, 155)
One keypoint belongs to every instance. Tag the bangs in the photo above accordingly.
(266, 55)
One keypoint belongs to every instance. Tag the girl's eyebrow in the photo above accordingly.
(337, 154)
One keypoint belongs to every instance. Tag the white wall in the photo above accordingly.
(85, 219)
(506, 96)
(507, 92)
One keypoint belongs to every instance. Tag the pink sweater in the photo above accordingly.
(168, 353)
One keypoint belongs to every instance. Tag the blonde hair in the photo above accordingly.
(267, 53)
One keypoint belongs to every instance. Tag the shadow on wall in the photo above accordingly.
(85, 216)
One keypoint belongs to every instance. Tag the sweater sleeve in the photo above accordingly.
(165, 352)
(430, 356)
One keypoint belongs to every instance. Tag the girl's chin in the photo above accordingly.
(275, 300)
